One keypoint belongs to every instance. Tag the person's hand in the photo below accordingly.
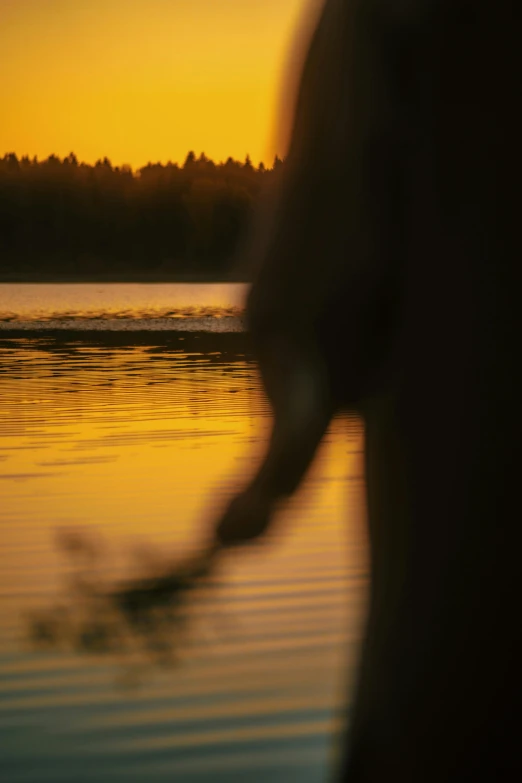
(246, 518)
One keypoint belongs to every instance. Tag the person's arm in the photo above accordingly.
(333, 241)
(297, 388)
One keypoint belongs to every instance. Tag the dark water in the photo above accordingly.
(138, 436)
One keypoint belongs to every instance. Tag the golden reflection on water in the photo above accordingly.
(141, 440)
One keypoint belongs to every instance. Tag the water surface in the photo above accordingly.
(140, 437)
(122, 306)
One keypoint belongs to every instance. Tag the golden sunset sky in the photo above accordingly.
(142, 80)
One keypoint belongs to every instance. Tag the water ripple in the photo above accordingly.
(139, 439)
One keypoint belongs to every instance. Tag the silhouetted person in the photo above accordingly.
(389, 280)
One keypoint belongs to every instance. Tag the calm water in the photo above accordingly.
(140, 435)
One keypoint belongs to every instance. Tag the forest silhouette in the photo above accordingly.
(63, 219)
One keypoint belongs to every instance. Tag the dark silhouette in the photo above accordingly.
(65, 219)
(397, 234)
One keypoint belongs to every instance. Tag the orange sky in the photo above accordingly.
(141, 80)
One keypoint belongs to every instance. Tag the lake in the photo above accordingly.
(132, 412)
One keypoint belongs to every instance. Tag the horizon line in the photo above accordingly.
(190, 157)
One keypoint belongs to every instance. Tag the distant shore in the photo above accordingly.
(138, 277)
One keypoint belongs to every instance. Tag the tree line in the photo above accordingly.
(71, 219)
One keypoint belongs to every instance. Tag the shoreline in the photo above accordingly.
(189, 343)
(125, 279)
